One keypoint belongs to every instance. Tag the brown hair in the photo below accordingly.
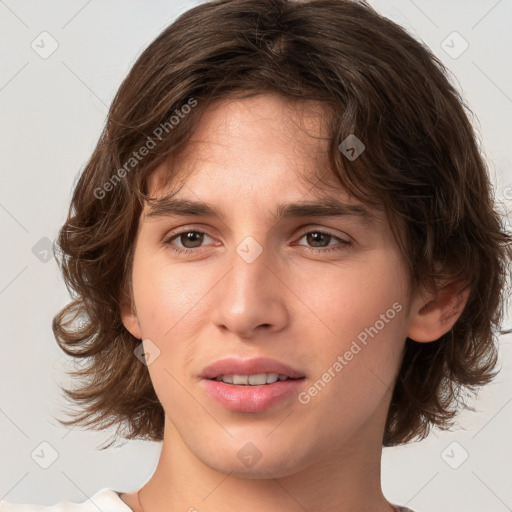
(421, 165)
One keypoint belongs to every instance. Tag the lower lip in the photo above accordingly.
(251, 398)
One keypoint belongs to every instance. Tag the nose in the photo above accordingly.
(252, 295)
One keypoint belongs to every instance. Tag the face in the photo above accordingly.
(324, 295)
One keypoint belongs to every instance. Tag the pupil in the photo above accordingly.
(313, 239)
(189, 237)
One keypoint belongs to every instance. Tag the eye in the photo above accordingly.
(319, 238)
(190, 240)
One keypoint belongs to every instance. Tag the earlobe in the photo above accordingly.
(435, 314)
(131, 323)
(129, 319)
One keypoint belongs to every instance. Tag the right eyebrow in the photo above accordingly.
(170, 206)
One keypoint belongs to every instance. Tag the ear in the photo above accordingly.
(434, 314)
(129, 316)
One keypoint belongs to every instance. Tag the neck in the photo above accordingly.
(343, 478)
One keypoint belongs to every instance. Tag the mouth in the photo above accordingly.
(250, 371)
(251, 385)
(253, 398)
(259, 379)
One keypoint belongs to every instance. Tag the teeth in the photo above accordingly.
(240, 379)
(251, 380)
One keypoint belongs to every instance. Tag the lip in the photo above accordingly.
(251, 398)
(235, 366)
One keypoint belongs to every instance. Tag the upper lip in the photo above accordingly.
(235, 366)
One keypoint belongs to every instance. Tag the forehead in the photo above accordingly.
(263, 154)
(264, 140)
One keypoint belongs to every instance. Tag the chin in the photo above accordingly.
(251, 463)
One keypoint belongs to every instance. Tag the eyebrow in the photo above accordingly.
(326, 207)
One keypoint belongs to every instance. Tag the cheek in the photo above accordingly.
(170, 309)
(168, 300)
(347, 301)
(362, 310)
(353, 378)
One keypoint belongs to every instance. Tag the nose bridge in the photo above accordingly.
(249, 296)
(250, 268)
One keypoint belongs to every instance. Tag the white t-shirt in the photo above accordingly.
(105, 500)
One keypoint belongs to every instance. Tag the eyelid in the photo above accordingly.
(304, 230)
(185, 228)
(326, 231)
(168, 237)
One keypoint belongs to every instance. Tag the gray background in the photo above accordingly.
(52, 112)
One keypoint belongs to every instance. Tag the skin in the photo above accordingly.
(293, 304)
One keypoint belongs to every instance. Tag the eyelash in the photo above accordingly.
(168, 242)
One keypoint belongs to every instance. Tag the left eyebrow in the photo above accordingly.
(327, 207)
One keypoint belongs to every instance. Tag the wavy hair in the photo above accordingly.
(422, 166)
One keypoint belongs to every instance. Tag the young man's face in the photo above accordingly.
(325, 295)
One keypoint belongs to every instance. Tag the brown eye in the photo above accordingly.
(188, 241)
(319, 241)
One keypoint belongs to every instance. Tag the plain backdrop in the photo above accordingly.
(53, 108)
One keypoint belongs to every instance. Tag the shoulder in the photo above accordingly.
(106, 500)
